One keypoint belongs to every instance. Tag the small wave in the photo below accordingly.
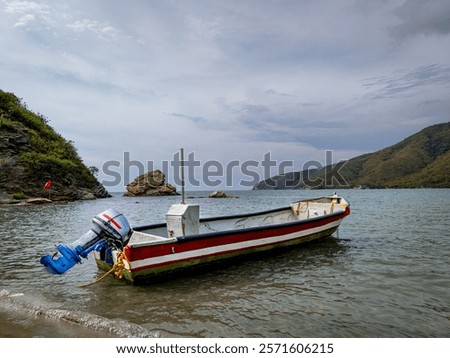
(121, 328)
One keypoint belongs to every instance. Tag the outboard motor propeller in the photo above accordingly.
(109, 228)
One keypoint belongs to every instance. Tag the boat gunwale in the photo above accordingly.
(207, 235)
(258, 228)
(236, 216)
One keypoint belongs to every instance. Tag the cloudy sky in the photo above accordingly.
(228, 80)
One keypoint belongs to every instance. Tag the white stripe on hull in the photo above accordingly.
(215, 250)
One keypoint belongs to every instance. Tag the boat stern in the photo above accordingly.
(327, 205)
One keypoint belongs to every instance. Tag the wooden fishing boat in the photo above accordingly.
(186, 241)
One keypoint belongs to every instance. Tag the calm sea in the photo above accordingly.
(386, 274)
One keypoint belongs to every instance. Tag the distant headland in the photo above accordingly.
(419, 161)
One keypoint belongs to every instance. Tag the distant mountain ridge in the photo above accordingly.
(421, 160)
(32, 154)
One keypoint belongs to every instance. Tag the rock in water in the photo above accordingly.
(38, 201)
(218, 194)
(150, 184)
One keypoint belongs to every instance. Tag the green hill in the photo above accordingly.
(421, 160)
(32, 152)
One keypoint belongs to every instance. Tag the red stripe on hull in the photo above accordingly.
(235, 252)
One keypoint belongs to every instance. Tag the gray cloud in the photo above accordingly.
(409, 82)
(422, 17)
(194, 119)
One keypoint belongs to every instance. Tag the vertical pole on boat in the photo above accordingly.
(182, 175)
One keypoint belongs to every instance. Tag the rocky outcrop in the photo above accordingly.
(19, 178)
(150, 184)
(32, 153)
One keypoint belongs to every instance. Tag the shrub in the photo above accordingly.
(18, 196)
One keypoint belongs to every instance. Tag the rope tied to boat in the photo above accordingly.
(119, 265)
(116, 269)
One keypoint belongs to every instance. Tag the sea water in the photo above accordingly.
(386, 273)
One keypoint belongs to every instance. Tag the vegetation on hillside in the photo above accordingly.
(33, 151)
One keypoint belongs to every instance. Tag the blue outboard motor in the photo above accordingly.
(109, 228)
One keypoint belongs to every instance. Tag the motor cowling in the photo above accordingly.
(109, 228)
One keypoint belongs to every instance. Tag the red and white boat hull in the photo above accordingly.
(148, 260)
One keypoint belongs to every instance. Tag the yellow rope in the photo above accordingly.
(117, 269)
